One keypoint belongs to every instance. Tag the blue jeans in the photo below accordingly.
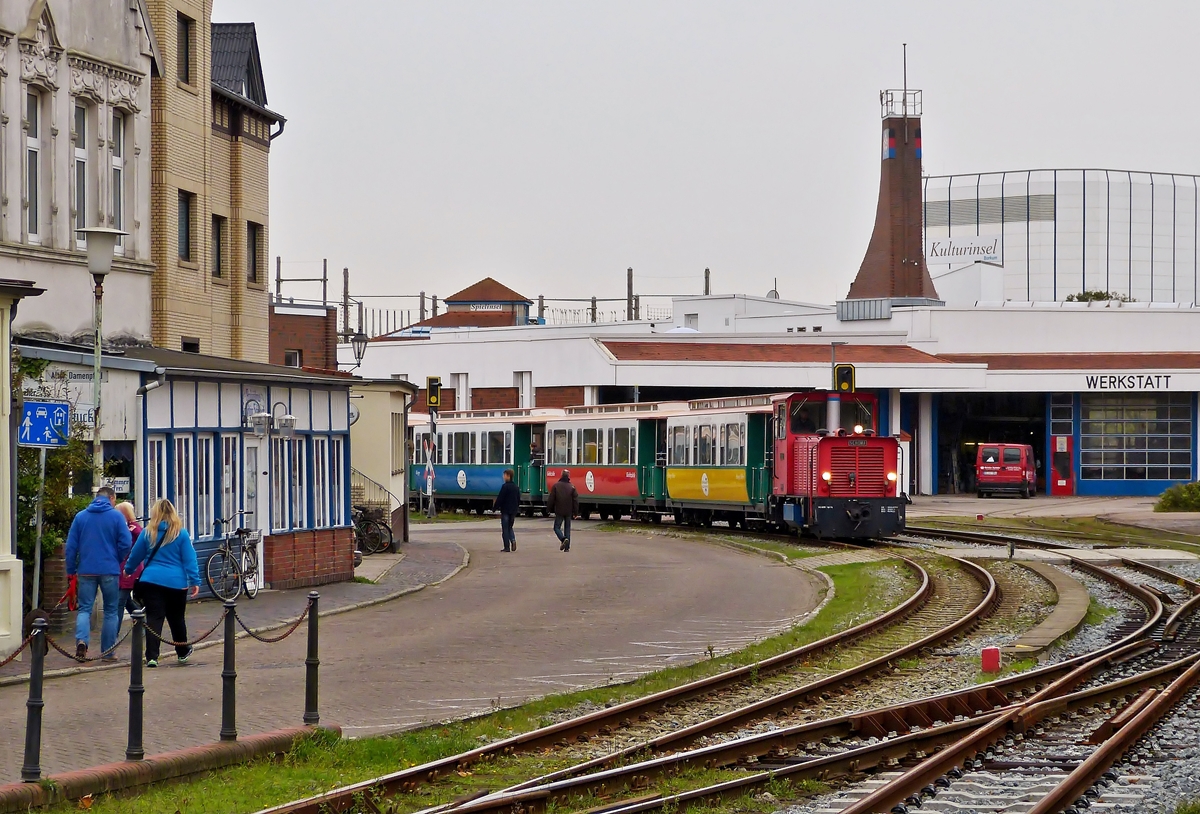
(506, 530)
(562, 528)
(112, 609)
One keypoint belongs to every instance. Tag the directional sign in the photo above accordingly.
(44, 424)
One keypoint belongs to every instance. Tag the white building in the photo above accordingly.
(75, 152)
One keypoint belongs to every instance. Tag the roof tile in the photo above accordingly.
(487, 290)
(784, 353)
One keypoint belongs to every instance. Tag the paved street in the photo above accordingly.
(508, 627)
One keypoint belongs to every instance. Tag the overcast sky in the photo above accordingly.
(552, 145)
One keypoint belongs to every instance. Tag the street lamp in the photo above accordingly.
(358, 344)
(101, 244)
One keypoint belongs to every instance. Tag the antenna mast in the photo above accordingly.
(905, 97)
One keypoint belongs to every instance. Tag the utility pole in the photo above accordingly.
(346, 333)
(422, 306)
(637, 306)
(278, 278)
(435, 305)
(593, 309)
(541, 307)
(324, 282)
(707, 288)
(629, 295)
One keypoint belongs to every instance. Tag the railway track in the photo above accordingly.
(949, 601)
(874, 739)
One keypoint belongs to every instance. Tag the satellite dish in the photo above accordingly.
(772, 294)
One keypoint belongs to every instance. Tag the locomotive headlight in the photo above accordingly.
(892, 476)
(858, 429)
(826, 476)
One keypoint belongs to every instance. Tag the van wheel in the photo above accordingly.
(979, 494)
(1025, 493)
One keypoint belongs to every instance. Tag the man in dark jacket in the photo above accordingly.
(563, 500)
(508, 503)
(97, 545)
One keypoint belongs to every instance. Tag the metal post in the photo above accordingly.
(541, 306)
(41, 514)
(229, 677)
(278, 278)
(134, 750)
(311, 716)
(435, 305)
(637, 306)
(707, 288)
(421, 311)
(346, 332)
(31, 769)
(593, 309)
(324, 282)
(629, 295)
(97, 451)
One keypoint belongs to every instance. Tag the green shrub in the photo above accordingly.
(1182, 497)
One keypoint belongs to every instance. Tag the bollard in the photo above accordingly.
(311, 716)
(133, 749)
(31, 769)
(229, 677)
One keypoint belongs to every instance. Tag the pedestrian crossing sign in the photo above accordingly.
(44, 424)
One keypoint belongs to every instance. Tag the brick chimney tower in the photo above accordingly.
(894, 266)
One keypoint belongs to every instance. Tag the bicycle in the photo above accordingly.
(370, 535)
(228, 574)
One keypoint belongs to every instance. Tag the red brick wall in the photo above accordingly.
(447, 401)
(495, 398)
(314, 336)
(559, 396)
(301, 558)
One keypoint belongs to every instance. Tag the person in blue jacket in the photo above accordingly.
(508, 503)
(97, 544)
(170, 576)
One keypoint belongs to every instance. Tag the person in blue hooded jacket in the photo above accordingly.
(170, 576)
(97, 544)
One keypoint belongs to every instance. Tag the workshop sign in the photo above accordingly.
(1129, 381)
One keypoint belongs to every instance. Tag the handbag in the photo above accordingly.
(157, 545)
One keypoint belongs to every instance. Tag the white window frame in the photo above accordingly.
(120, 146)
(156, 469)
(81, 174)
(185, 479)
(321, 494)
(337, 447)
(230, 496)
(298, 454)
(33, 165)
(280, 485)
(205, 515)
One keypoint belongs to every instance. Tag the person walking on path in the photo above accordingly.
(126, 581)
(508, 503)
(171, 574)
(97, 544)
(563, 500)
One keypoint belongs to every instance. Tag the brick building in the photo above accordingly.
(211, 140)
(303, 335)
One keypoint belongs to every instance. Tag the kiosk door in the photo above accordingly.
(1061, 476)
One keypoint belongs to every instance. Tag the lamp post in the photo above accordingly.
(358, 343)
(101, 244)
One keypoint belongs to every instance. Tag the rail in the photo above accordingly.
(372, 493)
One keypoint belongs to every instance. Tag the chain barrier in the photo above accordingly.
(192, 643)
(274, 639)
(7, 660)
(86, 659)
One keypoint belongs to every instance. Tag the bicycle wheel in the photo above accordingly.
(387, 534)
(249, 575)
(223, 576)
(371, 537)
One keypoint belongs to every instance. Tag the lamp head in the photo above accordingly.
(358, 343)
(286, 425)
(101, 243)
(261, 423)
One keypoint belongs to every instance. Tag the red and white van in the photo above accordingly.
(1005, 468)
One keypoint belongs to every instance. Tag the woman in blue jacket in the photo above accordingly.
(170, 576)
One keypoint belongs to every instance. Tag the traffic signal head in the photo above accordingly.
(843, 378)
(433, 392)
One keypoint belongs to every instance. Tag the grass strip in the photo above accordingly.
(862, 591)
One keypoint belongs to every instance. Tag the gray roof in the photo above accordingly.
(236, 66)
(180, 362)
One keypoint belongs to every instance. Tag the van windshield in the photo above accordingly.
(1012, 455)
(990, 455)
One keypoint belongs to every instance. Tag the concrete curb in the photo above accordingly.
(366, 603)
(130, 774)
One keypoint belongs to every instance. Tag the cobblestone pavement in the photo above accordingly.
(507, 628)
(424, 563)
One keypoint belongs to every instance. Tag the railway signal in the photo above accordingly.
(843, 378)
(433, 392)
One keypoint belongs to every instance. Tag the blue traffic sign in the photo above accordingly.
(45, 424)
